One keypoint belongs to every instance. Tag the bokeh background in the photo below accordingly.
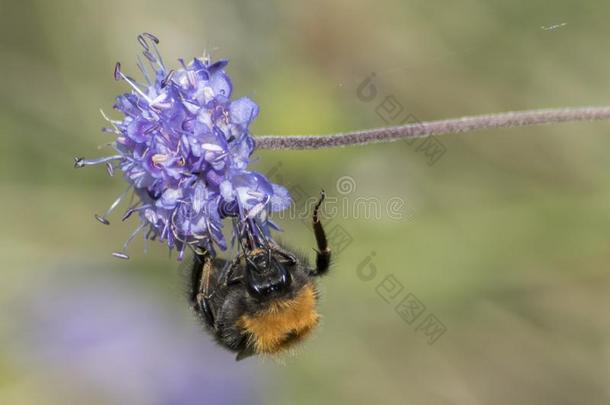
(504, 239)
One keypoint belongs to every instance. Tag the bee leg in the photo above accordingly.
(206, 307)
(323, 251)
(227, 276)
(204, 295)
(289, 256)
(246, 352)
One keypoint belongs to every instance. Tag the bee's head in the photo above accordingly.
(267, 275)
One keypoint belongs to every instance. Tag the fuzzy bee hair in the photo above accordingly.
(264, 301)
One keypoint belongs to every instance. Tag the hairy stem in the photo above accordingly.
(424, 129)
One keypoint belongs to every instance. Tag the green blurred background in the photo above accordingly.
(504, 239)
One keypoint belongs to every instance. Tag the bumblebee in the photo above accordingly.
(264, 301)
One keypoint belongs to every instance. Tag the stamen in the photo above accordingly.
(159, 158)
(151, 129)
(118, 75)
(256, 194)
(117, 71)
(109, 119)
(105, 145)
(109, 169)
(151, 37)
(101, 219)
(261, 233)
(133, 209)
(143, 42)
(112, 122)
(82, 162)
(181, 253)
(220, 157)
(165, 232)
(150, 57)
(256, 210)
(198, 237)
(133, 235)
(156, 58)
(113, 206)
(143, 70)
(190, 75)
(151, 234)
(157, 54)
(167, 78)
(131, 198)
(127, 214)
(123, 253)
(206, 58)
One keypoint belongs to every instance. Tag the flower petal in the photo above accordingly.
(243, 111)
(221, 84)
(280, 200)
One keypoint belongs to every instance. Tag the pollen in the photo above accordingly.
(159, 158)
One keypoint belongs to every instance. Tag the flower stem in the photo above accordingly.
(425, 129)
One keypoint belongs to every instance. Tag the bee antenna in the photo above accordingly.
(241, 237)
(263, 237)
(250, 235)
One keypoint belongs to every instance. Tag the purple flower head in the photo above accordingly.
(184, 146)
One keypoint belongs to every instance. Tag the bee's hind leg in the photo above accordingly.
(202, 298)
(323, 251)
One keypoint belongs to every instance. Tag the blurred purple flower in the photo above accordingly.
(109, 337)
(183, 146)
